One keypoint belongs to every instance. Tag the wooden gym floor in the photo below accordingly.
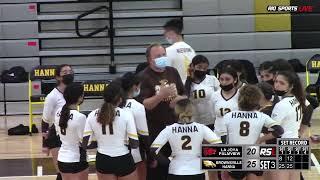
(21, 156)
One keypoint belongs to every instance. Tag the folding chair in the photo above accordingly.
(313, 66)
(38, 73)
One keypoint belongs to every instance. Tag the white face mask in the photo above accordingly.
(161, 62)
(170, 41)
(136, 93)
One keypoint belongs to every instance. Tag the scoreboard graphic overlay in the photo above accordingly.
(286, 154)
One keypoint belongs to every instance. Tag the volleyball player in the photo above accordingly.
(111, 126)
(244, 125)
(131, 85)
(199, 87)
(241, 73)
(69, 124)
(289, 111)
(54, 101)
(225, 100)
(185, 138)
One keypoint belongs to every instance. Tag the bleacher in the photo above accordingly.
(43, 32)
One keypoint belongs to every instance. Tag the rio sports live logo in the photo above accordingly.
(299, 9)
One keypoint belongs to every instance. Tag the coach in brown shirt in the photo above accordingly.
(161, 88)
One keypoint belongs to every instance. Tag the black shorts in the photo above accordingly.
(224, 139)
(242, 174)
(53, 140)
(186, 177)
(73, 168)
(119, 166)
(211, 126)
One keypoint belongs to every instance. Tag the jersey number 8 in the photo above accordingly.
(244, 128)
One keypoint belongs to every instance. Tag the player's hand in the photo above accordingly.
(167, 91)
(178, 98)
(46, 150)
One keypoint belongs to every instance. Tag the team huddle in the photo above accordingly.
(153, 122)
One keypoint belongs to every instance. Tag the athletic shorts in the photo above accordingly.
(242, 174)
(186, 177)
(73, 168)
(53, 140)
(119, 166)
(211, 126)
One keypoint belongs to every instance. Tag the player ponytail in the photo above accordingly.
(71, 94)
(198, 59)
(249, 97)
(112, 97)
(297, 88)
(183, 110)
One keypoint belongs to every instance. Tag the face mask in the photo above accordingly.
(136, 93)
(226, 87)
(170, 41)
(271, 82)
(280, 93)
(200, 74)
(67, 79)
(161, 62)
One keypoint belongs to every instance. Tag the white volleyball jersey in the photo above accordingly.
(289, 116)
(139, 114)
(244, 127)
(200, 96)
(185, 141)
(111, 139)
(52, 103)
(180, 55)
(71, 136)
(222, 106)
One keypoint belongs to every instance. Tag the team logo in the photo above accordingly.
(209, 164)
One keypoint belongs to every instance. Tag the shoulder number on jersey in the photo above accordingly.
(224, 111)
(199, 94)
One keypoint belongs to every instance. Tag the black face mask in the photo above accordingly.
(227, 87)
(67, 79)
(200, 74)
(271, 82)
(280, 93)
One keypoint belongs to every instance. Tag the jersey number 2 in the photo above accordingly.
(186, 144)
(244, 128)
(110, 129)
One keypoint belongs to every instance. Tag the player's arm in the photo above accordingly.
(87, 133)
(210, 137)
(306, 118)
(143, 130)
(132, 131)
(47, 118)
(276, 130)
(156, 146)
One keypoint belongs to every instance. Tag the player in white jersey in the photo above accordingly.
(224, 100)
(244, 125)
(288, 112)
(179, 53)
(112, 126)
(54, 101)
(200, 87)
(185, 139)
(69, 124)
(131, 85)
